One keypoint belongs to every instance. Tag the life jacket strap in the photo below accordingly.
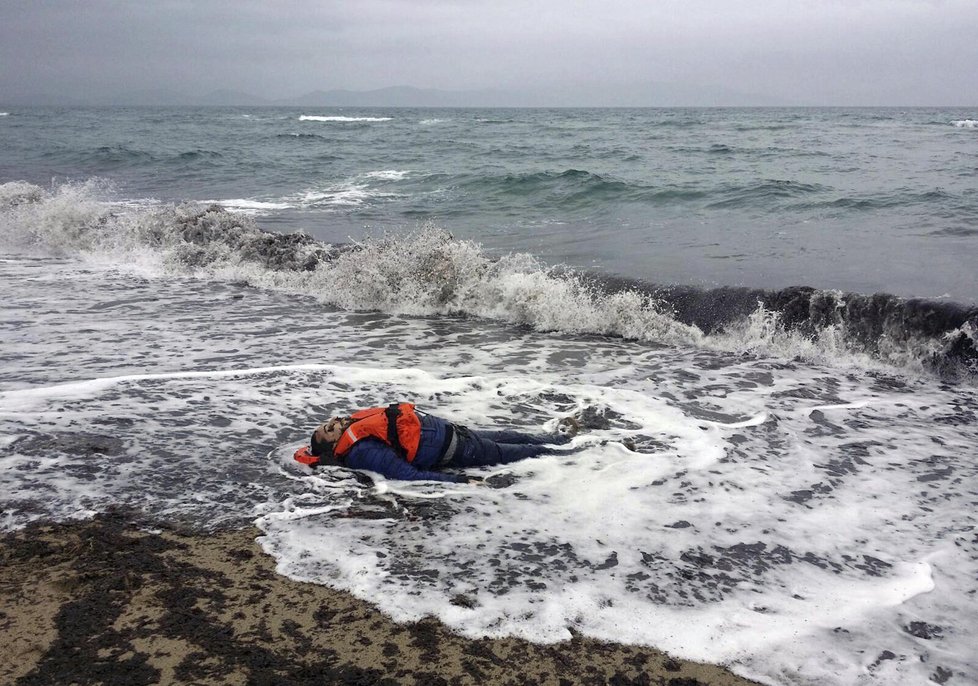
(393, 411)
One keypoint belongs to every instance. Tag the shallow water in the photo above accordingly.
(775, 511)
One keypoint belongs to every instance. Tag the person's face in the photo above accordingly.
(330, 431)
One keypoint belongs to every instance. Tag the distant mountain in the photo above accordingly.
(230, 98)
(397, 96)
(142, 98)
(587, 95)
(583, 95)
(654, 94)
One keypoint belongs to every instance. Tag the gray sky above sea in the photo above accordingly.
(546, 52)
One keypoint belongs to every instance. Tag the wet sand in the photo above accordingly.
(109, 601)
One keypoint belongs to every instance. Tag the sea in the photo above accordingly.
(766, 319)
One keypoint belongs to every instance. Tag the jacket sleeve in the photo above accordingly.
(375, 456)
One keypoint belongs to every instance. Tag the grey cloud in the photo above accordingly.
(827, 52)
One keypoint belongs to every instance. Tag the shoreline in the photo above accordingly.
(110, 600)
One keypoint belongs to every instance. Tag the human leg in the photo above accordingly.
(520, 438)
(475, 450)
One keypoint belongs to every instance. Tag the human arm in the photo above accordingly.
(375, 456)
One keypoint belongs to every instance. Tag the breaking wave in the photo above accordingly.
(965, 123)
(430, 273)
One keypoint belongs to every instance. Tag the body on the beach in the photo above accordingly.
(401, 442)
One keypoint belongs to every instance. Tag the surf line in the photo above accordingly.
(92, 386)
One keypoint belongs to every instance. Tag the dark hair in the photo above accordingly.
(320, 448)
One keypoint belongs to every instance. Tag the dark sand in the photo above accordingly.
(105, 602)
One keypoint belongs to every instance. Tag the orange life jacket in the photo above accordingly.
(397, 425)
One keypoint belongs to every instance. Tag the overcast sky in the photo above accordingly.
(900, 52)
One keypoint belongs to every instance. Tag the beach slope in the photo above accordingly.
(112, 600)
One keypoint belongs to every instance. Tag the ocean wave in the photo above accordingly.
(248, 205)
(198, 154)
(569, 187)
(764, 192)
(299, 136)
(902, 197)
(430, 273)
(4, 114)
(316, 117)
(387, 175)
(351, 193)
(956, 231)
(965, 123)
(431, 122)
(114, 156)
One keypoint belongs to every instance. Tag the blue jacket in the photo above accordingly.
(376, 456)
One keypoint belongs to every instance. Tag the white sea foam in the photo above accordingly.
(387, 175)
(431, 122)
(695, 548)
(4, 114)
(314, 117)
(346, 194)
(249, 206)
(965, 123)
(423, 273)
(796, 522)
(354, 192)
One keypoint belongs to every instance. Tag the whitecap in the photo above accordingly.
(965, 123)
(349, 195)
(249, 205)
(432, 273)
(315, 117)
(387, 175)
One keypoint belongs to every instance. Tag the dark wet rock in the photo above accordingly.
(800, 497)
(684, 681)
(500, 480)
(824, 426)
(595, 417)
(881, 658)
(681, 524)
(937, 475)
(710, 575)
(924, 630)
(463, 600)
(804, 495)
(612, 561)
(561, 401)
(941, 675)
(645, 444)
(80, 442)
(873, 566)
